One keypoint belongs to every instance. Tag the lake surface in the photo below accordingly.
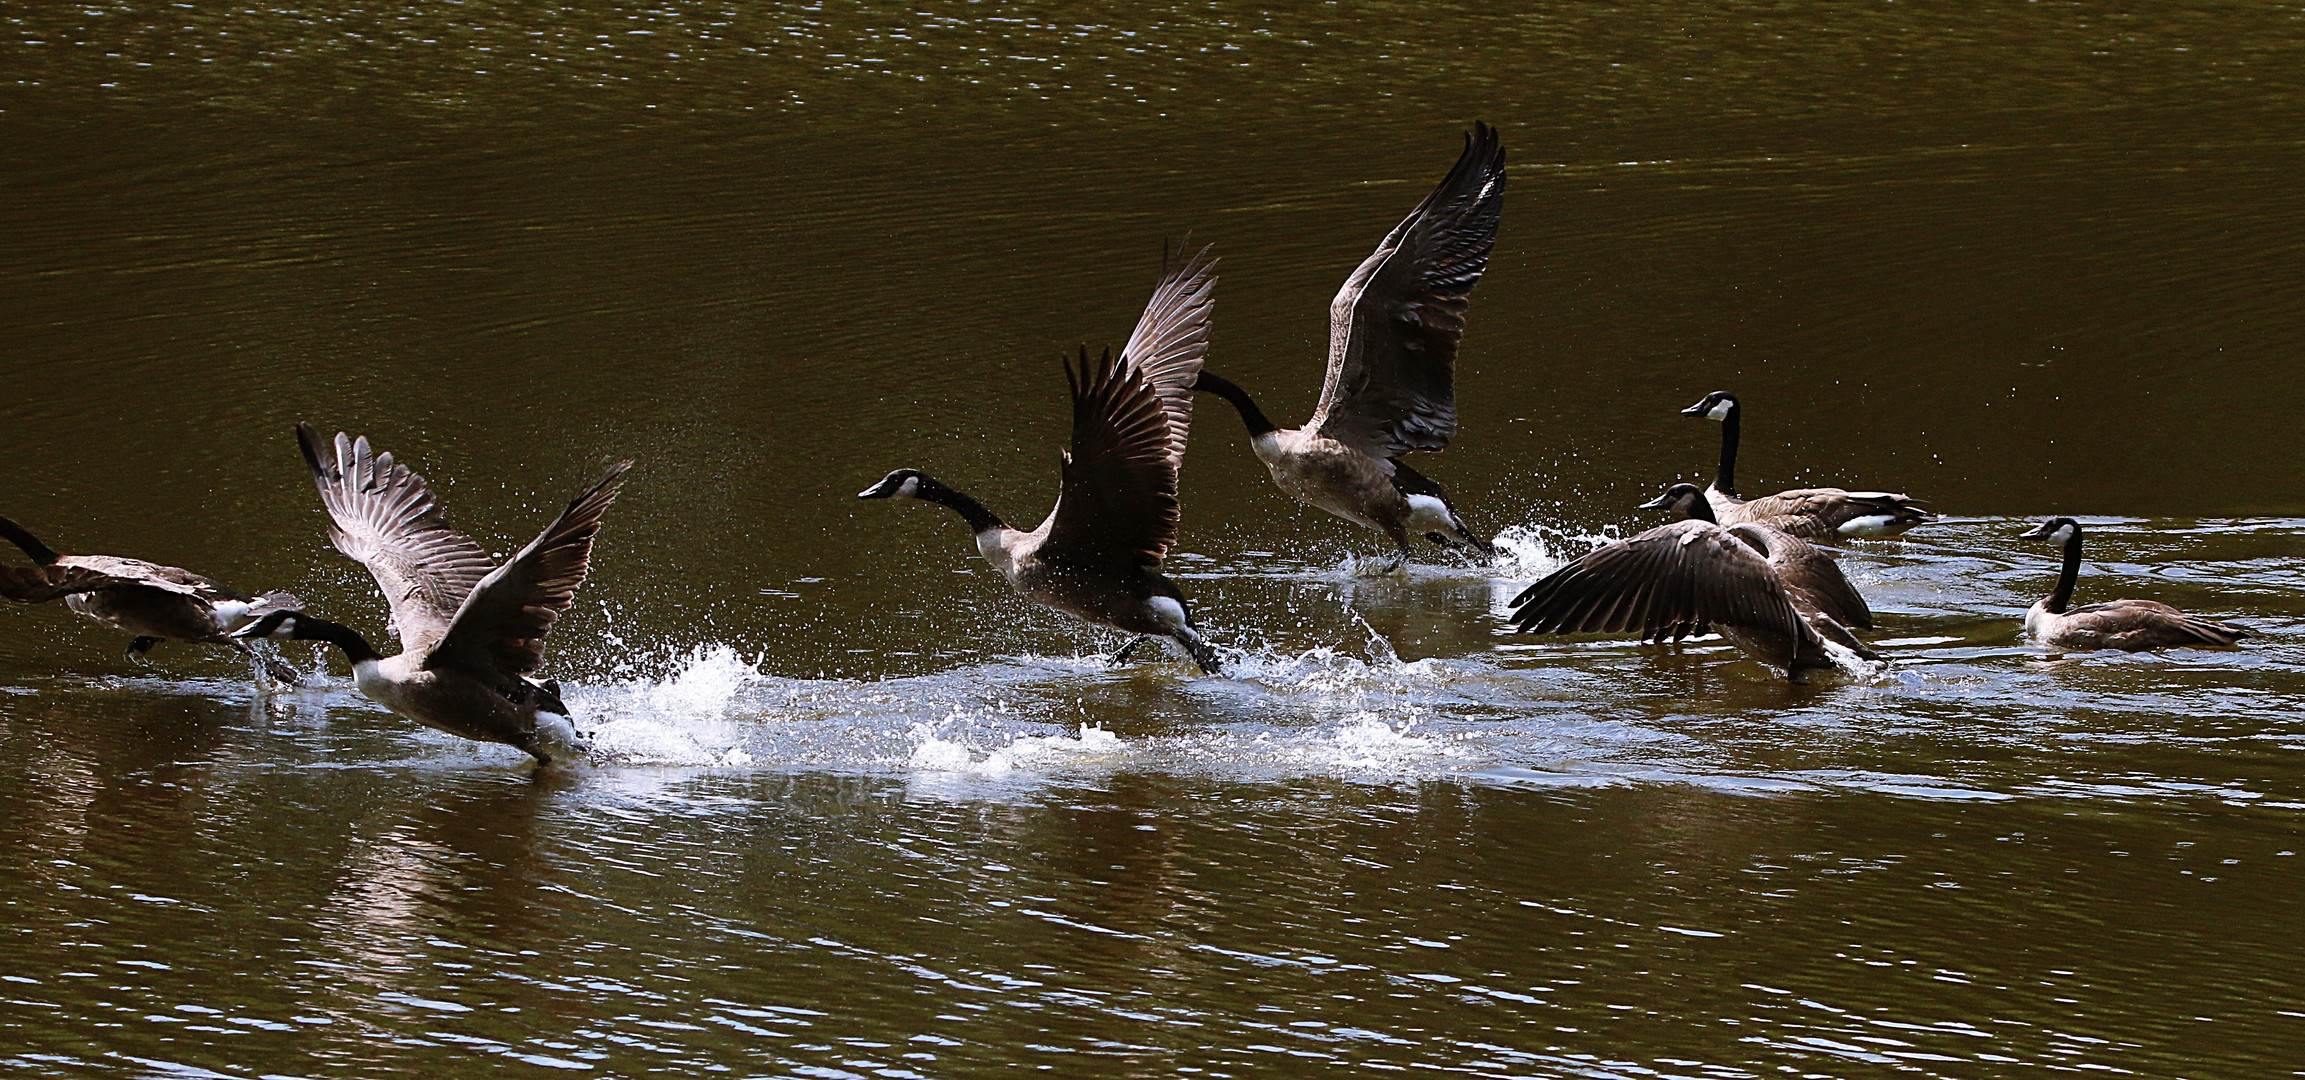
(855, 810)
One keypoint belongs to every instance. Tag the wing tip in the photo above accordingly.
(308, 440)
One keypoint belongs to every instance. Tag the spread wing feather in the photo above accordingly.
(1395, 324)
(504, 619)
(384, 517)
(1171, 340)
(1118, 508)
(1664, 580)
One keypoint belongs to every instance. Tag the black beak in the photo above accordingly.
(263, 628)
(2040, 532)
(1659, 503)
(1698, 409)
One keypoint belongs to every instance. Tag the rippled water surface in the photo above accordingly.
(854, 810)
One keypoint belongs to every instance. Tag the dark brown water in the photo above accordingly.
(857, 811)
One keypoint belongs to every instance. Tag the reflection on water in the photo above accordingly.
(856, 810)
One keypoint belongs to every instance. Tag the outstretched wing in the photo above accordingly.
(1171, 340)
(39, 584)
(385, 518)
(504, 620)
(1673, 576)
(71, 574)
(1118, 508)
(1394, 326)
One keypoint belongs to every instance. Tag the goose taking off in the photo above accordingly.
(470, 631)
(1393, 333)
(1810, 513)
(1098, 555)
(2128, 625)
(147, 601)
(1769, 593)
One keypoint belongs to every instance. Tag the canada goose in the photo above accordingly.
(1098, 555)
(1393, 333)
(470, 632)
(2129, 625)
(1768, 592)
(1810, 513)
(147, 601)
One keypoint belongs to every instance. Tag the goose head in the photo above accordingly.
(906, 482)
(1684, 500)
(280, 625)
(2059, 529)
(1716, 406)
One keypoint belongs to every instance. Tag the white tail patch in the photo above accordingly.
(1166, 612)
(1871, 526)
(230, 615)
(1428, 514)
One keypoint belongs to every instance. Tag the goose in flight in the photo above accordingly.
(1768, 592)
(1809, 513)
(2128, 625)
(149, 602)
(1098, 554)
(471, 632)
(1393, 333)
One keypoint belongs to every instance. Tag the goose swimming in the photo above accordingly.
(1810, 513)
(2128, 625)
(1393, 333)
(1768, 592)
(149, 602)
(1098, 554)
(471, 632)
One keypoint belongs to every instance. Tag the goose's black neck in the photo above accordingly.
(2063, 594)
(1254, 417)
(1701, 508)
(33, 548)
(979, 519)
(1725, 479)
(302, 627)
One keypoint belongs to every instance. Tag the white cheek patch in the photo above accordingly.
(910, 488)
(2063, 533)
(1720, 411)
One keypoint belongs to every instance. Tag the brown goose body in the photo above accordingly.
(147, 601)
(2127, 625)
(1394, 328)
(471, 632)
(1097, 555)
(1122, 600)
(1822, 513)
(1772, 595)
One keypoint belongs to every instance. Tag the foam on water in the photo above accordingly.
(962, 753)
(688, 718)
